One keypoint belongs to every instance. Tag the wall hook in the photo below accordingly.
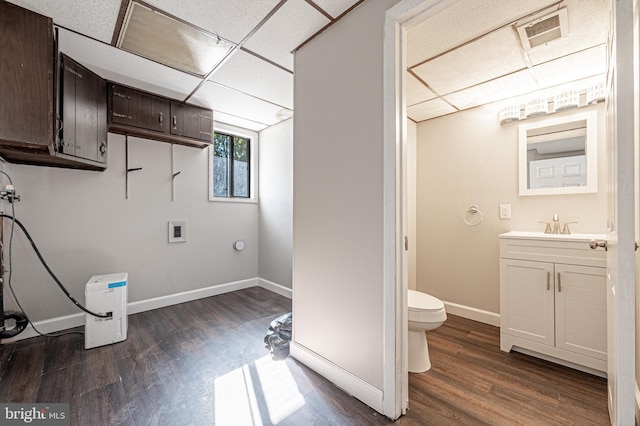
(126, 165)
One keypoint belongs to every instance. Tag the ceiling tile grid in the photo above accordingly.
(335, 8)
(429, 109)
(131, 70)
(230, 19)
(289, 27)
(461, 22)
(509, 86)
(587, 27)
(251, 75)
(79, 15)
(415, 91)
(494, 55)
(583, 64)
(233, 102)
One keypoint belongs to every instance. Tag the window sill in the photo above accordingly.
(234, 200)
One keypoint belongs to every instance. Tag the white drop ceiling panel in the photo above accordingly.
(494, 55)
(246, 73)
(221, 117)
(126, 68)
(231, 19)
(587, 20)
(416, 92)
(502, 88)
(229, 101)
(462, 22)
(429, 109)
(96, 19)
(579, 65)
(335, 7)
(291, 25)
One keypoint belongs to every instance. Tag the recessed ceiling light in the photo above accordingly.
(160, 37)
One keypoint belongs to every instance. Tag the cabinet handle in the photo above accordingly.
(120, 95)
(548, 280)
(205, 133)
(160, 118)
(115, 114)
(559, 283)
(175, 122)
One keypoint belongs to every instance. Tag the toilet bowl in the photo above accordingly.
(425, 313)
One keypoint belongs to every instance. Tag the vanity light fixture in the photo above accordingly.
(536, 107)
(595, 93)
(509, 114)
(566, 100)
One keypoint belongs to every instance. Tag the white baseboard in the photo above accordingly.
(468, 312)
(351, 384)
(276, 288)
(188, 296)
(54, 325)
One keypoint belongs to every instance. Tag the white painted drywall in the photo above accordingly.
(338, 194)
(84, 226)
(411, 210)
(468, 158)
(276, 203)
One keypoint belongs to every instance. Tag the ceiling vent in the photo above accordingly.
(543, 29)
(160, 37)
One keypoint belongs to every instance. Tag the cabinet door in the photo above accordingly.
(191, 121)
(26, 77)
(150, 112)
(121, 105)
(526, 305)
(581, 310)
(67, 133)
(177, 110)
(83, 104)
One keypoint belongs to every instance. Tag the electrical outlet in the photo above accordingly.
(505, 211)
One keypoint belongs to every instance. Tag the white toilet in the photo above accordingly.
(425, 313)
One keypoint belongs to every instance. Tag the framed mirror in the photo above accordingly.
(559, 155)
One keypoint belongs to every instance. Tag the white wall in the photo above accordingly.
(338, 195)
(411, 208)
(84, 226)
(276, 203)
(467, 158)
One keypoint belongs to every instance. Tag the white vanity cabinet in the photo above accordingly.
(553, 299)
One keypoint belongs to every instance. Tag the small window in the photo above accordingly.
(231, 166)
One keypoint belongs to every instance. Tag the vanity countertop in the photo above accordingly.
(543, 236)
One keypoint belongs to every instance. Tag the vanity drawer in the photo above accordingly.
(574, 251)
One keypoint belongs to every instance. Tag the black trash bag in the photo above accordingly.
(278, 337)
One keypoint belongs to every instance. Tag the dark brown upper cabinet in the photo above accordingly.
(191, 121)
(138, 113)
(28, 82)
(83, 109)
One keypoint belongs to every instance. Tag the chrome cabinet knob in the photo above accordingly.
(595, 244)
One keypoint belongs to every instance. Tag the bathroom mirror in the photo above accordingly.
(559, 155)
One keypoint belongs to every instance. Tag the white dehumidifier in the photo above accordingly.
(103, 294)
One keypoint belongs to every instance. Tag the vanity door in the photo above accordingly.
(581, 310)
(528, 297)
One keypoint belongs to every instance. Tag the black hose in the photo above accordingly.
(62, 287)
(21, 323)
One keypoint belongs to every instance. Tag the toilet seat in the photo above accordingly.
(425, 308)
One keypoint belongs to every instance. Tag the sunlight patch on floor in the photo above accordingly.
(235, 399)
(279, 388)
(238, 398)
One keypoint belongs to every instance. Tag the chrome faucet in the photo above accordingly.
(556, 224)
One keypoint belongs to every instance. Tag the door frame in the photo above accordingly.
(397, 20)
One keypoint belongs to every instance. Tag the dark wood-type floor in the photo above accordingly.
(203, 363)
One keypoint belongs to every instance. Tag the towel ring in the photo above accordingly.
(472, 216)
